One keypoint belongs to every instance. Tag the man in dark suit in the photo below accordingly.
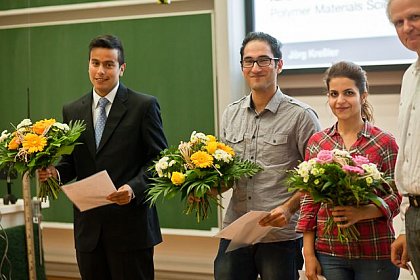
(114, 241)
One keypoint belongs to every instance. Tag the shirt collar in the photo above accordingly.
(272, 105)
(364, 132)
(110, 96)
(416, 69)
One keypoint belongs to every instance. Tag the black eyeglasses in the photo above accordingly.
(261, 62)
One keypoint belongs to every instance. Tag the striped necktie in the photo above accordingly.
(101, 120)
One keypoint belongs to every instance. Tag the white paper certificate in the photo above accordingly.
(245, 230)
(90, 192)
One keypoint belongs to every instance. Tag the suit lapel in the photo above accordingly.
(115, 116)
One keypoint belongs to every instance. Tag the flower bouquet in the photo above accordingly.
(339, 179)
(34, 146)
(198, 169)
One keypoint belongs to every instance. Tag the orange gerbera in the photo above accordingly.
(33, 143)
(40, 126)
(14, 143)
(202, 159)
(226, 148)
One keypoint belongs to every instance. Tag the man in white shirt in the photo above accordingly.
(405, 16)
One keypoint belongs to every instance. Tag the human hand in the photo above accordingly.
(278, 217)
(399, 254)
(45, 173)
(312, 268)
(122, 196)
(345, 216)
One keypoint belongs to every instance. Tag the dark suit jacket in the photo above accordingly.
(132, 138)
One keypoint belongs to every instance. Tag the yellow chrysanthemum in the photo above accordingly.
(14, 144)
(40, 126)
(226, 148)
(202, 159)
(211, 138)
(177, 178)
(33, 143)
(211, 147)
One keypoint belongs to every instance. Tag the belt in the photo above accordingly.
(414, 200)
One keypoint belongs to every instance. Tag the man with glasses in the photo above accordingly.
(272, 129)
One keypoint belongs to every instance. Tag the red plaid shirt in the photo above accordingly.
(376, 235)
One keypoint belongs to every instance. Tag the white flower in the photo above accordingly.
(372, 170)
(222, 155)
(4, 135)
(162, 164)
(342, 153)
(172, 162)
(312, 161)
(61, 126)
(198, 137)
(304, 168)
(159, 171)
(24, 123)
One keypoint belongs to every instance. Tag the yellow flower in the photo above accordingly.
(202, 159)
(34, 143)
(211, 138)
(211, 147)
(14, 144)
(177, 178)
(40, 126)
(225, 148)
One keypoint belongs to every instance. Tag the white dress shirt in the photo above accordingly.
(407, 170)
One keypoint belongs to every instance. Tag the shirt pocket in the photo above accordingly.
(236, 141)
(275, 150)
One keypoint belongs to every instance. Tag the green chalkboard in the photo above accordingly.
(168, 57)
(20, 4)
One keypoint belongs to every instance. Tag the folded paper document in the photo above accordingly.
(245, 231)
(90, 192)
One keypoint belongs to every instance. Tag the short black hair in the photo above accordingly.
(275, 44)
(108, 42)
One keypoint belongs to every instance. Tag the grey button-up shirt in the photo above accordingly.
(276, 139)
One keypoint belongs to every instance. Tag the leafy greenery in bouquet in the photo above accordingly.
(33, 146)
(339, 179)
(198, 169)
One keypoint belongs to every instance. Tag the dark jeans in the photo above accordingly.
(337, 268)
(412, 228)
(271, 261)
